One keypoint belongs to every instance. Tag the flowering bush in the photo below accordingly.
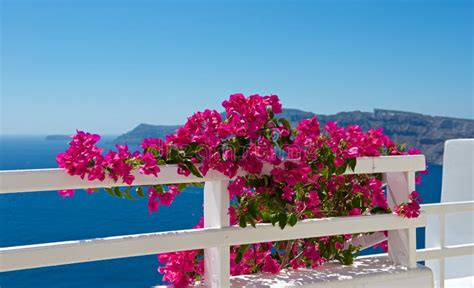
(305, 179)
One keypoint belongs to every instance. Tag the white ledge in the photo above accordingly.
(36, 180)
(367, 272)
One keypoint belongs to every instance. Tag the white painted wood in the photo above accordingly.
(448, 207)
(454, 228)
(447, 251)
(36, 180)
(366, 241)
(442, 251)
(216, 259)
(365, 272)
(401, 243)
(50, 254)
(369, 272)
(438, 253)
(55, 179)
(442, 241)
(386, 164)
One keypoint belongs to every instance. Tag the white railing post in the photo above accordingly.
(442, 242)
(401, 243)
(216, 259)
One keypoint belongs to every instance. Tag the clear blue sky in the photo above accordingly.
(106, 66)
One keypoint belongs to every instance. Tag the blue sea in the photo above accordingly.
(30, 218)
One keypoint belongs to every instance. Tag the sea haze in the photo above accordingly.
(29, 218)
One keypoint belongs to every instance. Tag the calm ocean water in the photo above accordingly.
(29, 218)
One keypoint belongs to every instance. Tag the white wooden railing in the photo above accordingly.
(217, 235)
(444, 251)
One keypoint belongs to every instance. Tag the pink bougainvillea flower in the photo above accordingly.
(153, 203)
(287, 193)
(149, 167)
(154, 145)
(338, 162)
(382, 245)
(166, 198)
(270, 265)
(66, 193)
(236, 187)
(410, 209)
(352, 152)
(355, 212)
(90, 190)
(413, 151)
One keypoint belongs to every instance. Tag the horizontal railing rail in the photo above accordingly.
(37, 180)
(445, 251)
(217, 235)
(448, 207)
(68, 252)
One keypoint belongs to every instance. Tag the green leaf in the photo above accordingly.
(324, 172)
(110, 192)
(378, 210)
(139, 192)
(282, 220)
(251, 220)
(274, 218)
(265, 216)
(243, 221)
(266, 180)
(118, 192)
(341, 169)
(292, 219)
(198, 184)
(190, 165)
(357, 201)
(347, 257)
(253, 209)
(127, 194)
(191, 149)
(182, 186)
(331, 170)
(240, 252)
(238, 256)
(159, 188)
(172, 154)
(285, 123)
(271, 114)
(299, 192)
(352, 163)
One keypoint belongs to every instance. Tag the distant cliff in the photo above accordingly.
(425, 132)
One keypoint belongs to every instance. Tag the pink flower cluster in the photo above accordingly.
(219, 141)
(410, 209)
(156, 198)
(83, 157)
(305, 179)
(184, 267)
